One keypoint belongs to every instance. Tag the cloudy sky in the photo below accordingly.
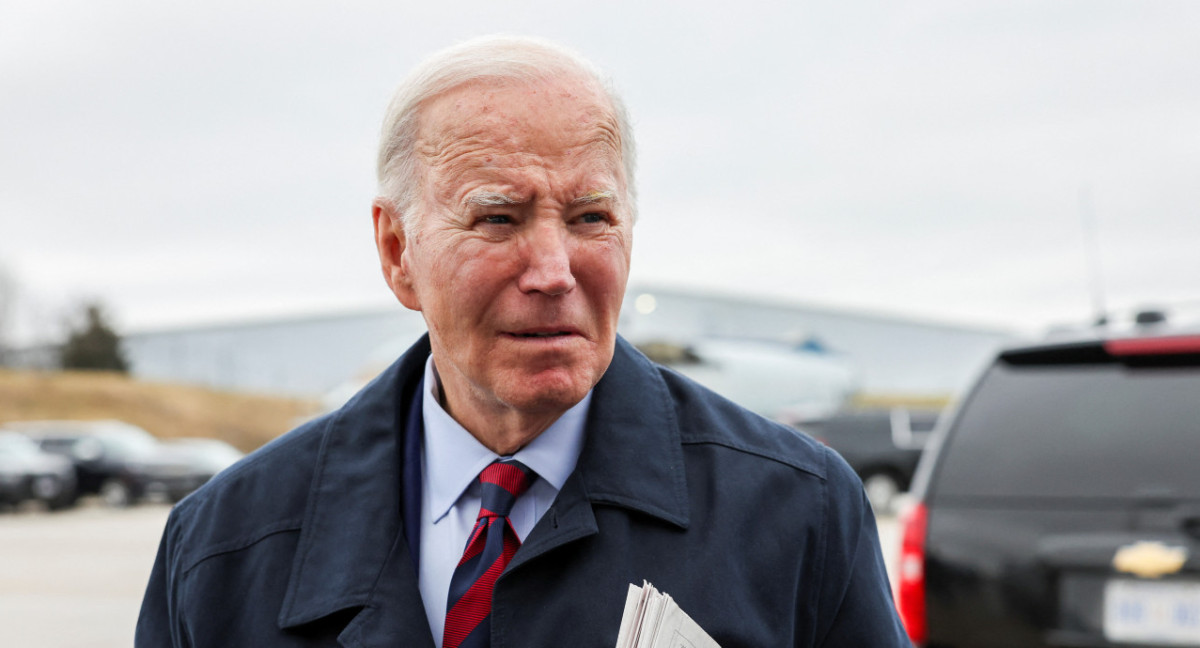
(211, 161)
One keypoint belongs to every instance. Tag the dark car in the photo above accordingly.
(206, 457)
(29, 474)
(882, 445)
(1061, 504)
(121, 463)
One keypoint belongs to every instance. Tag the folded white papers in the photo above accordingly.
(653, 620)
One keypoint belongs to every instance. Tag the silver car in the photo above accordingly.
(27, 473)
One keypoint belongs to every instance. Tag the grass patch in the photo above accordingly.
(246, 421)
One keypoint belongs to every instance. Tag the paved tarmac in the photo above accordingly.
(75, 579)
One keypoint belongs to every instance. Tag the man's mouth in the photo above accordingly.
(542, 332)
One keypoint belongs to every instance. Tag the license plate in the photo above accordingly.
(1152, 612)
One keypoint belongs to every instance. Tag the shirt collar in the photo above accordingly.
(454, 458)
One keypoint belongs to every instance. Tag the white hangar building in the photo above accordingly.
(319, 355)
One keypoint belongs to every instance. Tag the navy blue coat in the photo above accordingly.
(761, 535)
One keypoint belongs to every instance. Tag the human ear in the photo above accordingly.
(394, 252)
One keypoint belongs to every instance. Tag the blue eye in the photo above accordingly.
(497, 219)
(592, 217)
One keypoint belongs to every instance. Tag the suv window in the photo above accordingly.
(127, 446)
(1079, 430)
(61, 446)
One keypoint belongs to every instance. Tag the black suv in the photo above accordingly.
(1060, 505)
(882, 445)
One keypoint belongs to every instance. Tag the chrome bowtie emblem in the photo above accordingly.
(1149, 559)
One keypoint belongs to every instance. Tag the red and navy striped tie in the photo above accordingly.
(489, 549)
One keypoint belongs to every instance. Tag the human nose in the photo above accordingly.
(547, 261)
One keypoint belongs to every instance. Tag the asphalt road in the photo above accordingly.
(75, 579)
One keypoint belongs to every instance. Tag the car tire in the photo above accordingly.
(62, 503)
(46, 487)
(54, 492)
(882, 489)
(116, 493)
(67, 499)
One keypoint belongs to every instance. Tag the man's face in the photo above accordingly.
(520, 252)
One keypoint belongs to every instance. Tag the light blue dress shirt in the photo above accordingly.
(451, 462)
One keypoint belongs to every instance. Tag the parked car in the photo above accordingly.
(27, 473)
(1061, 504)
(882, 445)
(207, 457)
(121, 463)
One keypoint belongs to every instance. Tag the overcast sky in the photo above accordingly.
(211, 161)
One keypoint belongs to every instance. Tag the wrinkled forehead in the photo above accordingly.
(539, 117)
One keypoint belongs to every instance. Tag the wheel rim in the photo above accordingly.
(46, 488)
(114, 493)
(881, 491)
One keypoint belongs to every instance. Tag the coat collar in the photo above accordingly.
(352, 529)
(632, 455)
(352, 532)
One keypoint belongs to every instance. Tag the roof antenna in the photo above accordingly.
(1091, 254)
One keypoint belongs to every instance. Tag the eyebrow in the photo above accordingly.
(497, 199)
(492, 199)
(593, 197)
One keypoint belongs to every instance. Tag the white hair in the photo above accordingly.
(490, 58)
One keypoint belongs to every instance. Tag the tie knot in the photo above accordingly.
(503, 482)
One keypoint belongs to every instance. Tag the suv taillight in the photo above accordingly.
(1154, 346)
(910, 582)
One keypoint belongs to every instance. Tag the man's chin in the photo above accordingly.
(544, 392)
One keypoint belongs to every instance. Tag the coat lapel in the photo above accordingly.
(631, 458)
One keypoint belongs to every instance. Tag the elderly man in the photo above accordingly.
(514, 471)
